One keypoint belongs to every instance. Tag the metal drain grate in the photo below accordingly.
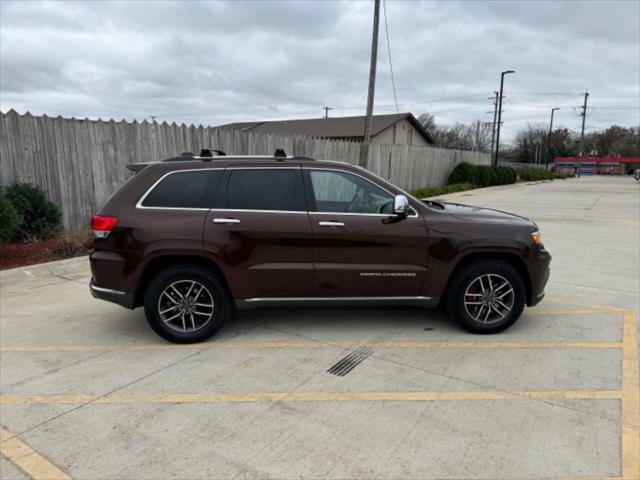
(355, 358)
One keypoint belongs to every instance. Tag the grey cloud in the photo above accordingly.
(214, 62)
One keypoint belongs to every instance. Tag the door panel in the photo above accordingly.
(360, 247)
(269, 254)
(368, 255)
(262, 232)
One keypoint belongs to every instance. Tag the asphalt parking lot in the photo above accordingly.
(89, 392)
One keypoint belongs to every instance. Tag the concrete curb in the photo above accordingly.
(70, 267)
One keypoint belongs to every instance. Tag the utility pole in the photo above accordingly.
(495, 116)
(549, 137)
(364, 149)
(326, 111)
(584, 118)
(506, 72)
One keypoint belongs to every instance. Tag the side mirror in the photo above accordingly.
(401, 205)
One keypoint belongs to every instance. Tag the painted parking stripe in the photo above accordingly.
(254, 397)
(27, 459)
(310, 344)
(631, 399)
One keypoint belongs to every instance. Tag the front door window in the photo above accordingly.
(341, 192)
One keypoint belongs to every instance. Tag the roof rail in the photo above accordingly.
(185, 157)
(205, 152)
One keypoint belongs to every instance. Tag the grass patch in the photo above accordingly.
(434, 191)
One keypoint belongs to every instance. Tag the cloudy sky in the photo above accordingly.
(214, 62)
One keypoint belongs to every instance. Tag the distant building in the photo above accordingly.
(598, 165)
(395, 129)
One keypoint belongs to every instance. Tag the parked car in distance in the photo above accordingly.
(636, 174)
(192, 237)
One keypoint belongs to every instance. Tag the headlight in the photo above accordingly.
(536, 237)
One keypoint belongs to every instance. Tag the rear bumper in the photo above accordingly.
(115, 296)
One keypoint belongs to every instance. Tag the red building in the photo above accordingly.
(598, 165)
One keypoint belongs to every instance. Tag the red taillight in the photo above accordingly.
(102, 225)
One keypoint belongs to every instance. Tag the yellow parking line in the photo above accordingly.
(304, 397)
(28, 460)
(630, 400)
(310, 344)
(594, 308)
(567, 312)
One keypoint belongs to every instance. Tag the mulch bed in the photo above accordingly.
(21, 254)
(29, 253)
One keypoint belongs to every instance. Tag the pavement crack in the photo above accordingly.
(133, 382)
(466, 381)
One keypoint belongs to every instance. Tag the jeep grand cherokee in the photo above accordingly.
(188, 238)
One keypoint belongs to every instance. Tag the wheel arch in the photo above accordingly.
(510, 258)
(162, 262)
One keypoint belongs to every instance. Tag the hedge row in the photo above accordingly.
(482, 175)
(534, 174)
(26, 214)
(427, 192)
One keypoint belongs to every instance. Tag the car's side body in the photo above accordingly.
(300, 252)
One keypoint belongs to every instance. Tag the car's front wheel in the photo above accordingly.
(186, 304)
(487, 296)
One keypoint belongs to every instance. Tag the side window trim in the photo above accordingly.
(311, 198)
(299, 193)
(157, 182)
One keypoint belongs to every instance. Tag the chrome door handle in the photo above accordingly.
(331, 224)
(226, 220)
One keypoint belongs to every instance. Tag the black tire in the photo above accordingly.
(180, 275)
(463, 280)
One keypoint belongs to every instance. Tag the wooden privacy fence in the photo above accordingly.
(79, 163)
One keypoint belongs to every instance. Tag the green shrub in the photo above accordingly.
(10, 220)
(563, 175)
(462, 172)
(40, 217)
(426, 192)
(481, 175)
(532, 174)
(492, 176)
(503, 175)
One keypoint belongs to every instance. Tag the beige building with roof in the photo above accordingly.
(394, 129)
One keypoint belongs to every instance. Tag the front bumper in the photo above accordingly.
(540, 273)
(115, 296)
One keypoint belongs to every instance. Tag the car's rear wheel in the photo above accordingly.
(186, 304)
(487, 296)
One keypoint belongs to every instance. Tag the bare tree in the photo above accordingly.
(428, 121)
(528, 141)
(481, 136)
(476, 136)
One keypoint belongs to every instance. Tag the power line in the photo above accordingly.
(386, 29)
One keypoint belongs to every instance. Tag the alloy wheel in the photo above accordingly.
(489, 298)
(186, 306)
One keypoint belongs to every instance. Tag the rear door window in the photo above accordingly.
(192, 189)
(264, 189)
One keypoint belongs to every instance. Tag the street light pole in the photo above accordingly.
(506, 72)
(549, 137)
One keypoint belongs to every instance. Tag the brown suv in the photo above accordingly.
(192, 236)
